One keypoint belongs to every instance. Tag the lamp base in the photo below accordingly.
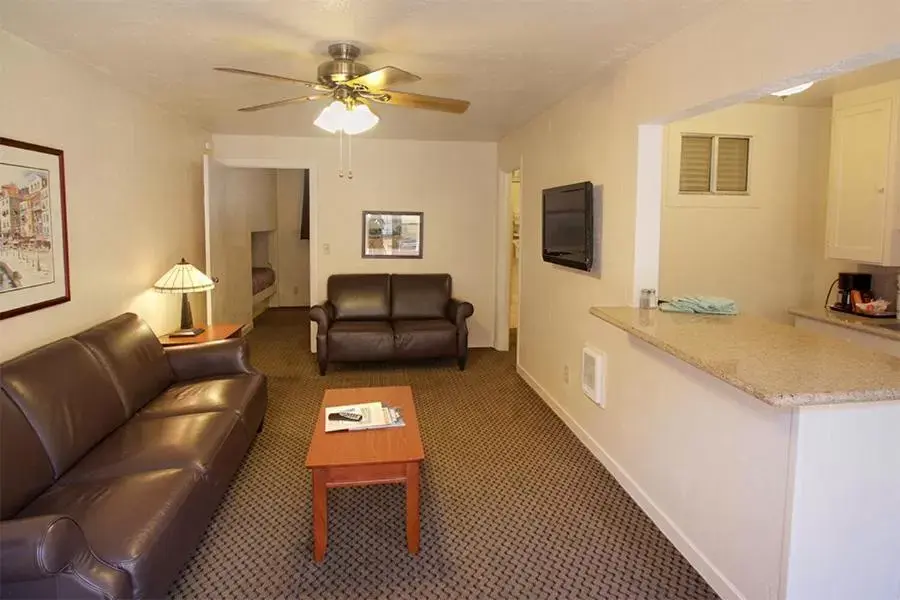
(187, 332)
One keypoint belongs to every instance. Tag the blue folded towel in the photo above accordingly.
(705, 305)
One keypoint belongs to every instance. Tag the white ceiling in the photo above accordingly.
(821, 93)
(510, 58)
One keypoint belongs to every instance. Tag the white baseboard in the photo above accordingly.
(721, 584)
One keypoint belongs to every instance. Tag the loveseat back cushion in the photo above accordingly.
(420, 296)
(360, 297)
(133, 357)
(25, 469)
(66, 396)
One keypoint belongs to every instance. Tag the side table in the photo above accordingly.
(213, 333)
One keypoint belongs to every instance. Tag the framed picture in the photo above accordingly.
(34, 260)
(392, 234)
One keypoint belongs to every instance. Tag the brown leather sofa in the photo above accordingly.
(114, 453)
(384, 317)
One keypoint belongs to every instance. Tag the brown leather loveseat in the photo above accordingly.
(115, 453)
(383, 317)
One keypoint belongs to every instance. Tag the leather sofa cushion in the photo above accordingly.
(243, 395)
(360, 297)
(419, 338)
(133, 356)
(420, 296)
(25, 469)
(360, 340)
(137, 522)
(181, 442)
(67, 397)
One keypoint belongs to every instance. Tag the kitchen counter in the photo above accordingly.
(863, 324)
(776, 363)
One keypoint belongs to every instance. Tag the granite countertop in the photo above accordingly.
(864, 324)
(779, 364)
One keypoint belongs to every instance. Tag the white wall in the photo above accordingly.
(453, 183)
(761, 249)
(593, 135)
(293, 253)
(133, 191)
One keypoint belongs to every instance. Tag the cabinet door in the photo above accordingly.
(860, 149)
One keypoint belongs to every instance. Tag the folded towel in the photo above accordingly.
(705, 305)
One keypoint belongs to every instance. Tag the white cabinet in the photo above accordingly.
(864, 191)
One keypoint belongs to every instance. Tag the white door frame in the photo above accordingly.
(312, 174)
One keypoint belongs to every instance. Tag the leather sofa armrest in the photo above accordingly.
(54, 545)
(322, 315)
(458, 311)
(225, 357)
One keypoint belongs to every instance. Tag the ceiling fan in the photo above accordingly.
(352, 85)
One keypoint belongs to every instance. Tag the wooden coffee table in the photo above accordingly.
(370, 457)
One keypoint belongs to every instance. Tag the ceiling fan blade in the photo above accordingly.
(421, 101)
(282, 102)
(383, 77)
(315, 86)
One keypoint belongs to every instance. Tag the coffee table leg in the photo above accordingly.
(412, 507)
(320, 514)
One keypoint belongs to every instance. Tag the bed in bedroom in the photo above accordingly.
(263, 279)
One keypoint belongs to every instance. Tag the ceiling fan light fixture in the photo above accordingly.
(797, 89)
(359, 119)
(331, 119)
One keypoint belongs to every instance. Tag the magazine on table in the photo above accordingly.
(356, 417)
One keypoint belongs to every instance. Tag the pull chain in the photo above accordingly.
(350, 157)
(341, 154)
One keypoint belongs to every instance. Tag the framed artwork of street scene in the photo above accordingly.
(34, 261)
(392, 234)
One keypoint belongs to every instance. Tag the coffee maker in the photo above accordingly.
(852, 288)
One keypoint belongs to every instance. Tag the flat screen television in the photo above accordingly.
(568, 225)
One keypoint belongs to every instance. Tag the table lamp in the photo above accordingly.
(184, 278)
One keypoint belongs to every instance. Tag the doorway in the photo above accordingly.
(258, 225)
(514, 216)
(508, 274)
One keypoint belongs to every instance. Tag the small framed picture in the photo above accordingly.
(392, 234)
(34, 262)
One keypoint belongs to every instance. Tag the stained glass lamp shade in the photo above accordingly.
(184, 278)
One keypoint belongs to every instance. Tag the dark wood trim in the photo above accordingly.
(365, 235)
(67, 294)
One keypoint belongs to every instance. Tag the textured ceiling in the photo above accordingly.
(510, 58)
(821, 93)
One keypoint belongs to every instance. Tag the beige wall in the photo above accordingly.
(592, 135)
(763, 249)
(133, 190)
(453, 183)
(293, 253)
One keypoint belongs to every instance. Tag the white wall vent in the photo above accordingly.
(593, 375)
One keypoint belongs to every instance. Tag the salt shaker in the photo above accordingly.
(648, 298)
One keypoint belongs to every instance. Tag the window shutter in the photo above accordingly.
(731, 164)
(696, 163)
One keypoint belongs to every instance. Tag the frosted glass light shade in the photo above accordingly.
(183, 278)
(337, 117)
(358, 119)
(794, 90)
(331, 119)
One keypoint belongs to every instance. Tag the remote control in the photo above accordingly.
(345, 416)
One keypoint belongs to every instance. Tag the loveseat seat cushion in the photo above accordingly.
(201, 442)
(67, 397)
(133, 356)
(25, 469)
(244, 395)
(146, 523)
(424, 338)
(420, 296)
(360, 297)
(360, 340)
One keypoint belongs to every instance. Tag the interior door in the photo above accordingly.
(859, 168)
(215, 204)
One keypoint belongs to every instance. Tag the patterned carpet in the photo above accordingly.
(513, 506)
